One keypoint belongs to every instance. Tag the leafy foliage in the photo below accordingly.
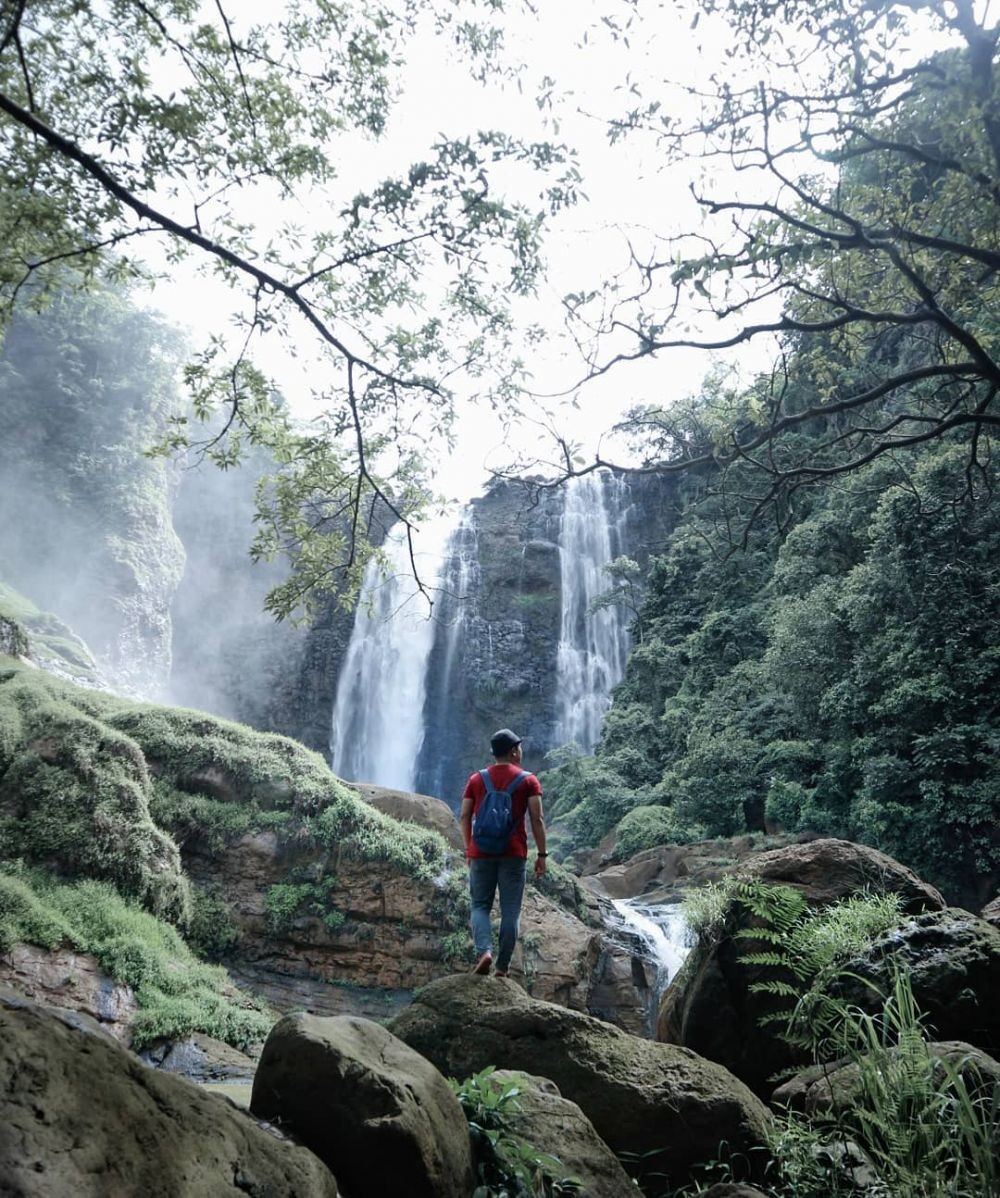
(840, 679)
(911, 1121)
(130, 123)
(506, 1167)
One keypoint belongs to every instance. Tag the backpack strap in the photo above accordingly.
(511, 787)
(487, 781)
(508, 790)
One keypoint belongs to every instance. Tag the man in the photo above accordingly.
(503, 869)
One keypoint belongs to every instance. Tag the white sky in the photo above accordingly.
(628, 195)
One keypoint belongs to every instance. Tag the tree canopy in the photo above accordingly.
(850, 191)
(168, 119)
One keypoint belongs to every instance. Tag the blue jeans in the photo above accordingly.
(485, 875)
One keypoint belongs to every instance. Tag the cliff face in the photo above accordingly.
(85, 389)
(498, 667)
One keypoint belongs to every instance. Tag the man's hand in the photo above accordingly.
(540, 864)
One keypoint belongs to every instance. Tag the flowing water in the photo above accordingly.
(378, 714)
(656, 933)
(460, 582)
(593, 645)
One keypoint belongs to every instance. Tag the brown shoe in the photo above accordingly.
(483, 965)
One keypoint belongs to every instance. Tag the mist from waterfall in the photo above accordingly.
(378, 715)
(593, 645)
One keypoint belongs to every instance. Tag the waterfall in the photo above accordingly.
(592, 645)
(378, 714)
(459, 581)
(656, 933)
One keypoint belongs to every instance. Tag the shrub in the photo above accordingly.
(648, 826)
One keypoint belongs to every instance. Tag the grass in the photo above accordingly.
(176, 993)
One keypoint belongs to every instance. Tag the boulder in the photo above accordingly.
(79, 1115)
(664, 872)
(640, 1096)
(837, 1084)
(827, 870)
(370, 1107)
(423, 810)
(554, 1125)
(712, 1007)
(952, 959)
(991, 912)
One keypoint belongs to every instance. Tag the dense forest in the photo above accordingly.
(804, 745)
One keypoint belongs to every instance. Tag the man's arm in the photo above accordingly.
(538, 831)
(465, 821)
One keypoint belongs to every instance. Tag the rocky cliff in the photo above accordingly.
(86, 388)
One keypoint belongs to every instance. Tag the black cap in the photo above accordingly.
(503, 741)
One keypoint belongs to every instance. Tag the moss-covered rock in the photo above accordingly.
(75, 793)
(952, 959)
(27, 631)
(79, 1115)
(81, 945)
(666, 1104)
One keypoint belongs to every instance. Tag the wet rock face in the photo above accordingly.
(381, 1117)
(79, 1115)
(391, 938)
(641, 1097)
(70, 981)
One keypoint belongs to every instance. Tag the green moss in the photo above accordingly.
(177, 994)
(42, 636)
(211, 932)
(75, 795)
(101, 787)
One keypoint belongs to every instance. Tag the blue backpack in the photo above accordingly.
(493, 822)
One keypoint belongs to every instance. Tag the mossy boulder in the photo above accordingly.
(838, 1084)
(666, 1103)
(952, 959)
(79, 1115)
(75, 794)
(826, 870)
(379, 1114)
(557, 1127)
(716, 1005)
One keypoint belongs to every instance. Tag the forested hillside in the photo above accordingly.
(818, 649)
(841, 679)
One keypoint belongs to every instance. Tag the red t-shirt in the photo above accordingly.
(501, 775)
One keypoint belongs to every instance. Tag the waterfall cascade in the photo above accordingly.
(460, 581)
(657, 934)
(378, 714)
(593, 645)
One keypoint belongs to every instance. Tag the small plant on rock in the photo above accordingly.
(505, 1166)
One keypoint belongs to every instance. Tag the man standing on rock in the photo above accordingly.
(494, 805)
